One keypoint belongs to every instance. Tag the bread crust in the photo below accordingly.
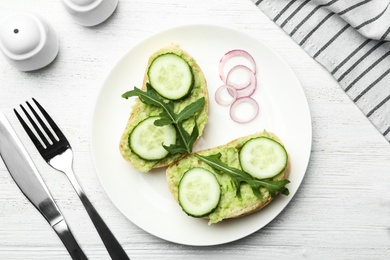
(141, 111)
(175, 171)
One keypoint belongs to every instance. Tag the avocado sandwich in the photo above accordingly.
(230, 180)
(169, 113)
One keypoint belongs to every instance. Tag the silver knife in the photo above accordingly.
(27, 177)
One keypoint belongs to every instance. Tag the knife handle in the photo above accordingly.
(62, 230)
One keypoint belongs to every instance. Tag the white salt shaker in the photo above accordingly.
(27, 41)
(90, 12)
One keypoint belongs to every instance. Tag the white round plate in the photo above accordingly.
(144, 197)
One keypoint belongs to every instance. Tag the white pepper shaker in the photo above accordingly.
(27, 41)
(90, 12)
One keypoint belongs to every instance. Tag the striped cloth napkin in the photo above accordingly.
(351, 39)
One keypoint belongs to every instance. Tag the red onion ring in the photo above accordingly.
(240, 101)
(231, 54)
(236, 70)
(247, 90)
(232, 93)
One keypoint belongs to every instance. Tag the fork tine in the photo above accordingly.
(43, 125)
(32, 136)
(51, 122)
(35, 126)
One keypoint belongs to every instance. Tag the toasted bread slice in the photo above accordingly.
(230, 206)
(141, 111)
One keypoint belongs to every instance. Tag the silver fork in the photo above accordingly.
(57, 152)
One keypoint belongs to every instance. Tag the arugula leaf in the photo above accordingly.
(190, 110)
(168, 116)
(239, 177)
(151, 97)
(195, 132)
(175, 148)
(148, 97)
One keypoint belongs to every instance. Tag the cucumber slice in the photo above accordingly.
(146, 139)
(263, 157)
(170, 76)
(199, 192)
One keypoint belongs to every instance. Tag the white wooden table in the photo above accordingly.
(341, 211)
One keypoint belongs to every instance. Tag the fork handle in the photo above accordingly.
(67, 238)
(112, 245)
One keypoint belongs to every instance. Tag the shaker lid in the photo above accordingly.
(82, 5)
(21, 35)
(82, 2)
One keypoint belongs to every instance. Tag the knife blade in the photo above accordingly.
(26, 176)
